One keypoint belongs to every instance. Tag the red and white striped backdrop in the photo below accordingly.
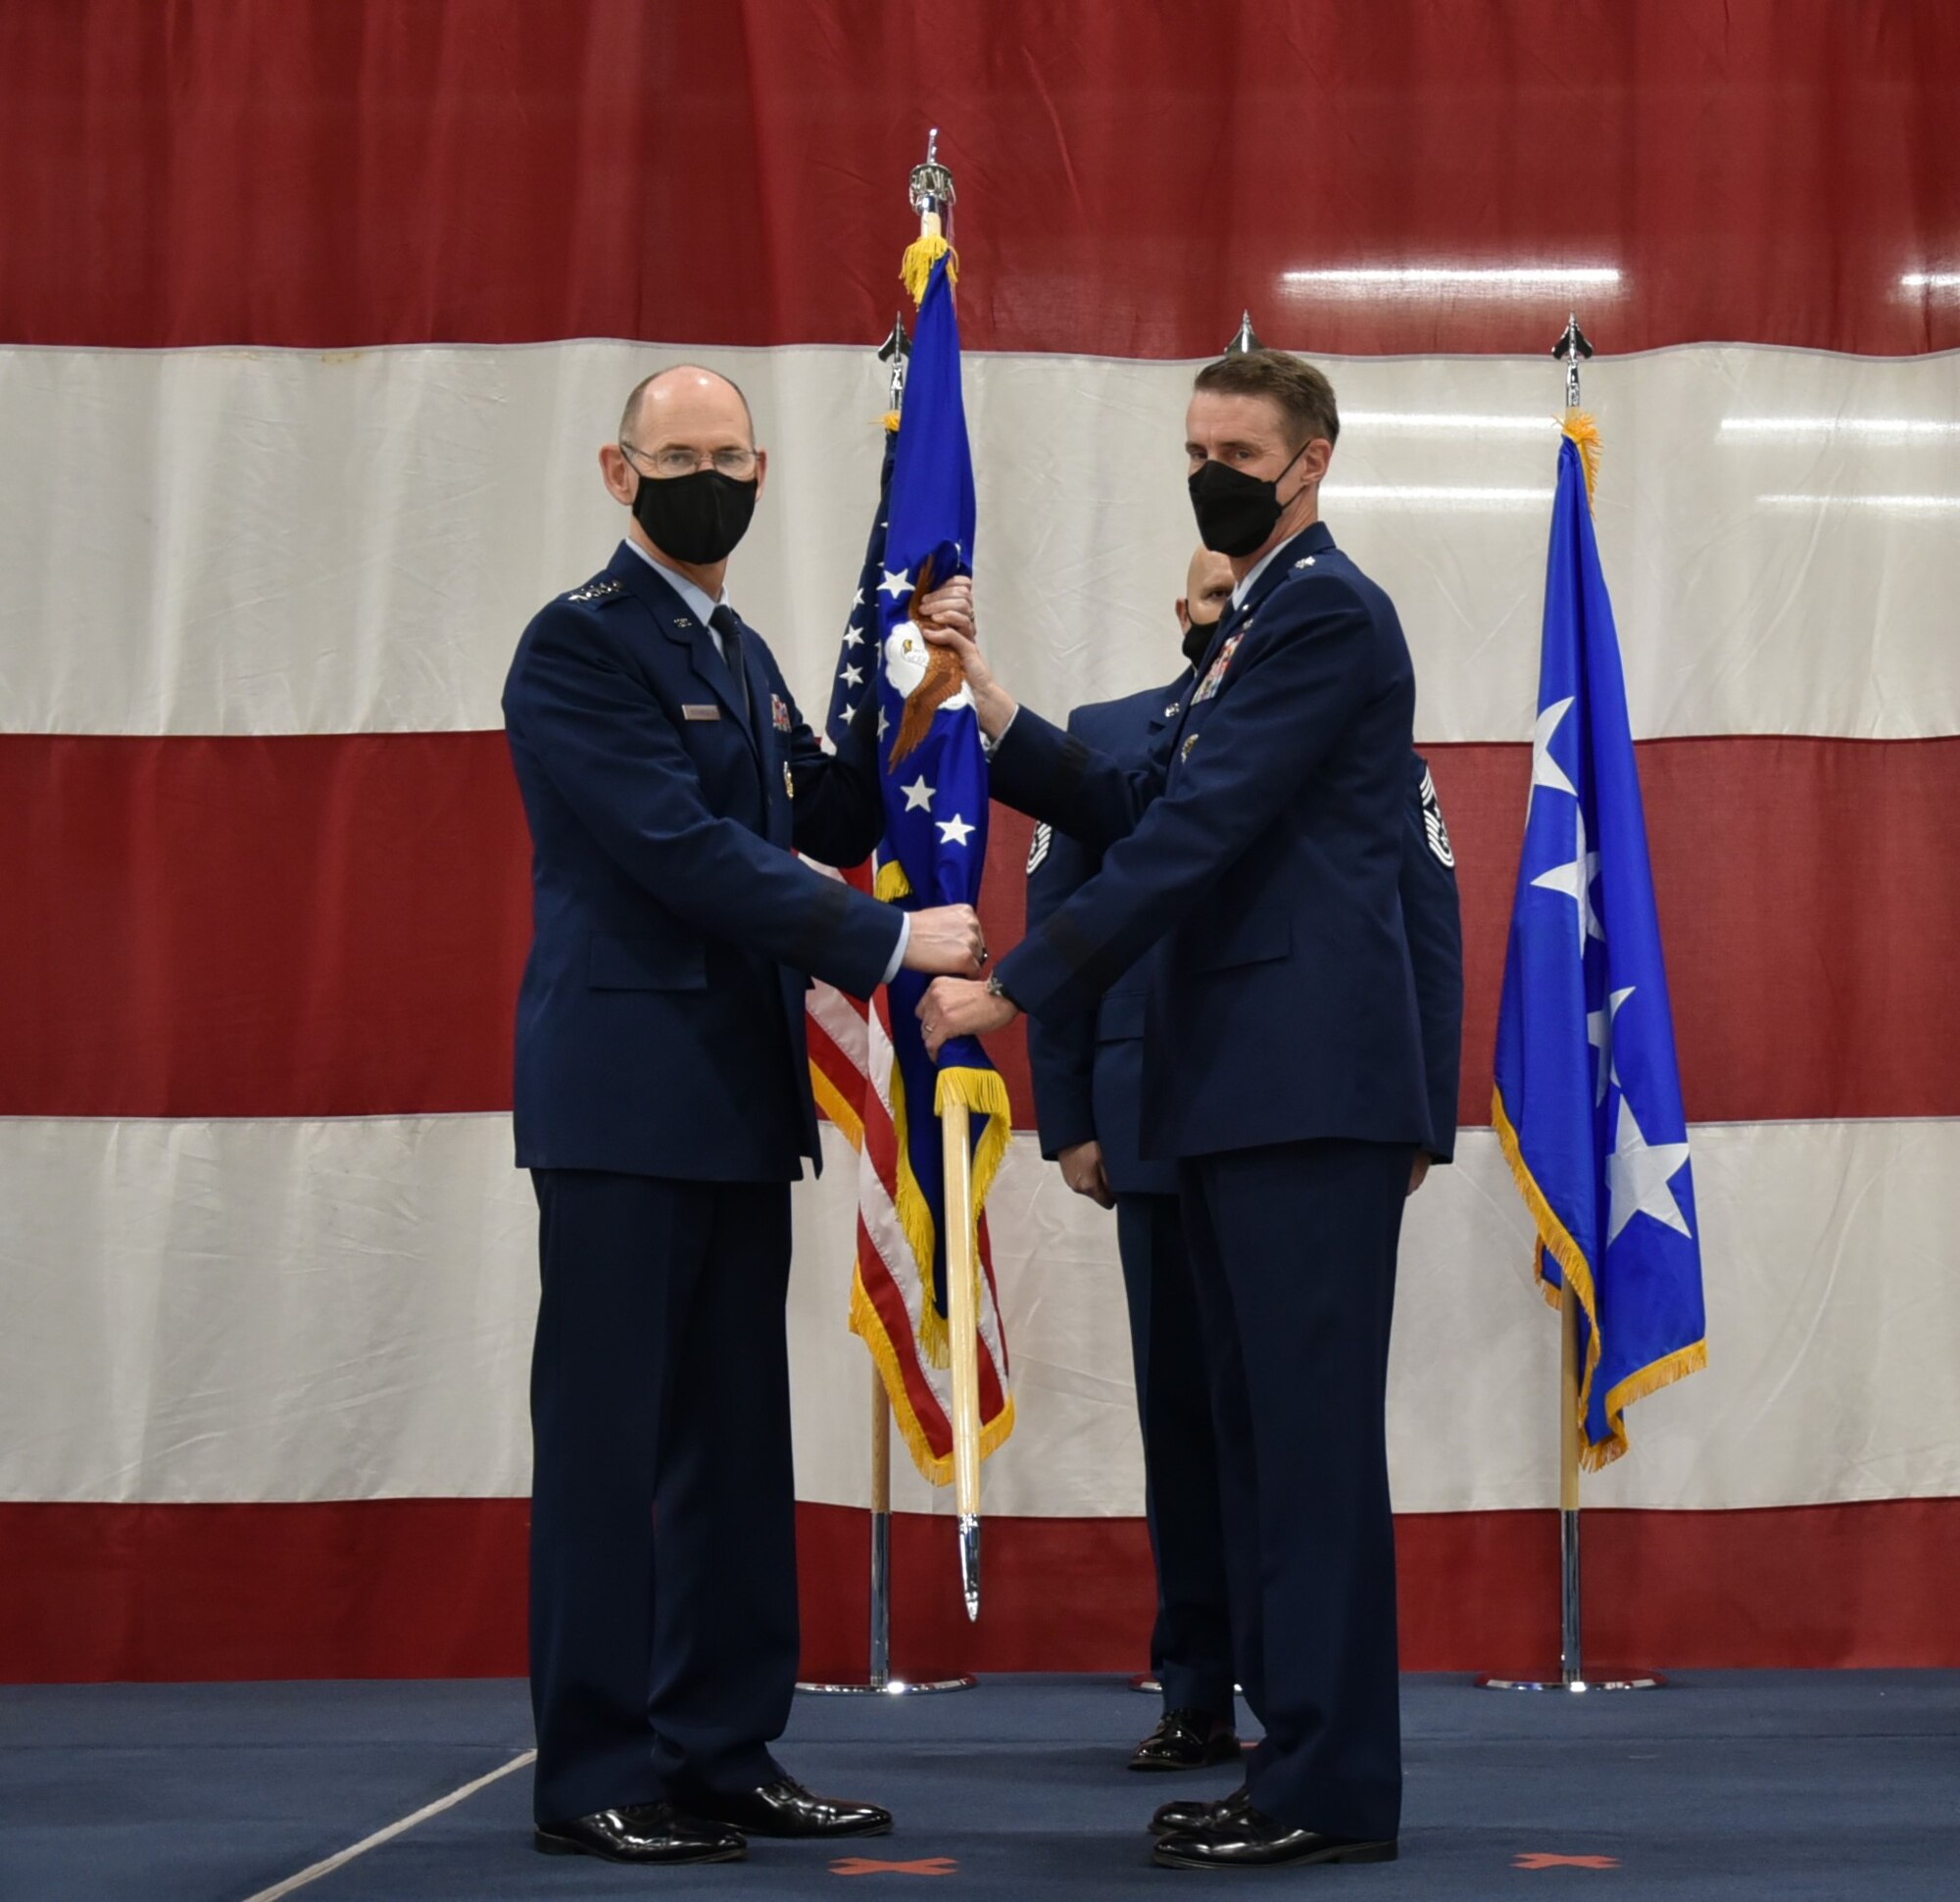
(304, 314)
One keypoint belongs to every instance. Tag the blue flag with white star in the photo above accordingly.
(933, 769)
(1587, 1097)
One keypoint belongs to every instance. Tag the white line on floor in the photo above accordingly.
(361, 1848)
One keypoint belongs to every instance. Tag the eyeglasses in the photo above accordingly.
(738, 465)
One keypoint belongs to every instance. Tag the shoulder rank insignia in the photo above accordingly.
(1434, 830)
(779, 711)
(1038, 847)
(605, 586)
(1214, 676)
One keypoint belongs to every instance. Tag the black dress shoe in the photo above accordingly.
(786, 1809)
(1187, 1740)
(1251, 1840)
(1187, 1815)
(641, 1832)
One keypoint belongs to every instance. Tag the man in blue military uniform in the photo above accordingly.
(664, 1106)
(1088, 1078)
(1283, 1069)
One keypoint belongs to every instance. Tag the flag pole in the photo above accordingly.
(962, 1313)
(1572, 349)
(932, 198)
(878, 1681)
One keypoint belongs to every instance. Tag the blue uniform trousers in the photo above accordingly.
(1293, 1256)
(1190, 1646)
(663, 1586)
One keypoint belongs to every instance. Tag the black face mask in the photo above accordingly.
(1235, 512)
(696, 519)
(1197, 638)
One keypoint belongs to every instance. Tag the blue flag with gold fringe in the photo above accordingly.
(1588, 1092)
(934, 776)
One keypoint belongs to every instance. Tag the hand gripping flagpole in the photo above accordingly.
(1572, 349)
(878, 1679)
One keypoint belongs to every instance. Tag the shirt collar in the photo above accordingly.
(696, 598)
(1245, 585)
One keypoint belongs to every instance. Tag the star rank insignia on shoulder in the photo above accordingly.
(604, 588)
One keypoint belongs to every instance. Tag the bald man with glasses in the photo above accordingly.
(664, 1108)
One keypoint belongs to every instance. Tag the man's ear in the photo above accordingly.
(762, 472)
(1313, 460)
(619, 474)
(1183, 613)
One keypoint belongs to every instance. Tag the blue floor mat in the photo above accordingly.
(1732, 1787)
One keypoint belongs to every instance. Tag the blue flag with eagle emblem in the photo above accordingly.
(1588, 1092)
(934, 776)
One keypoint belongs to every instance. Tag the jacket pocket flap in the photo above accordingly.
(1120, 1015)
(1248, 941)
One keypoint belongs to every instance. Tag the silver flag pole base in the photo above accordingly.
(1645, 1680)
(893, 1687)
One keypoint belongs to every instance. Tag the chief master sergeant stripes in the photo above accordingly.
(664, 1106)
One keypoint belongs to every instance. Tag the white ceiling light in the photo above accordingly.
(1427, 421)
(1504, 281)
(1894, 428)
(1931, 280)
(1901, 504)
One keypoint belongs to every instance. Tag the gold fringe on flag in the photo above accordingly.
(925, 250)
(868, 1325)
(1579, 427)
(1555, 1241)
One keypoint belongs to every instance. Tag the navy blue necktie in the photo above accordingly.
(724, 623)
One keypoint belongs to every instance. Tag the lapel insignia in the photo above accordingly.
(1038, 847)
(1214, 676)
(605, 586)
(681, 620)
(1306, 561)
(1170, 711)
(779, 711)
(1434, 830)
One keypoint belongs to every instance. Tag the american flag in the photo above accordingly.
(893, 1293)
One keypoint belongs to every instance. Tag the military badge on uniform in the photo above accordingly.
(1434, 830)
(789, 778)
(1189, 741)
(607, 585)
(780, 712)
(1214, 676)
(1038, 847)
